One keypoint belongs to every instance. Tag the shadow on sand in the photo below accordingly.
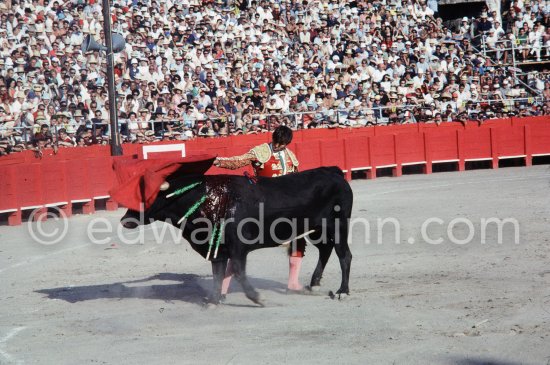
(191, 288)
(484, 361)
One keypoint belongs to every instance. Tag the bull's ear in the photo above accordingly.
(164, 186)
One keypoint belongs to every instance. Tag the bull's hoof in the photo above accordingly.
(339, 295)
(316, 288)
(342, 294)
(257, 298)
(343, 291)
(213, 301)
(210, 306)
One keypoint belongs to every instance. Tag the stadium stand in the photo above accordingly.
(206, 69)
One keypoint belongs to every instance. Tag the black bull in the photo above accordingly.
(257, 215)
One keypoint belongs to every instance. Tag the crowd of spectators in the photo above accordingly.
(212, 68)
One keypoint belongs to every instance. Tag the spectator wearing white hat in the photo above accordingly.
(465, 27)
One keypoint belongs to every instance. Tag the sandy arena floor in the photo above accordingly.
(412, 302)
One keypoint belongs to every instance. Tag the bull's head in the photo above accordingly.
(182, 198)
(143, 183)
(133, 219)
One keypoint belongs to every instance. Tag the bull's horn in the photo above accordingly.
(164, 186)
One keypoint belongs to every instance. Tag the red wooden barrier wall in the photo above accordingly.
(81, 176)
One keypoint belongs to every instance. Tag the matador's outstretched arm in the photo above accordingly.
(236, 162)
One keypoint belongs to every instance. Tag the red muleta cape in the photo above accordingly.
(139, 180)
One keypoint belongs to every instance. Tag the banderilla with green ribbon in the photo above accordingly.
(213, 238)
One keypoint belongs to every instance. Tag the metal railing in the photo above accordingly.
(514, 46)
(370, 116)
(513, 50)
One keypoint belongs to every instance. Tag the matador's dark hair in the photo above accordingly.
(282, 135)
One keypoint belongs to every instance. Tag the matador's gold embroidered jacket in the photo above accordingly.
(264, 161)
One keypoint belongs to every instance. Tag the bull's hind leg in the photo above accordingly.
(218, 273)
(239, 271)
(344, 255)
(325, 247)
